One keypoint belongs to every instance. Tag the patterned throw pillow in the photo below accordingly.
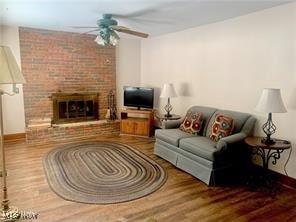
(192, 123)
(222, 127)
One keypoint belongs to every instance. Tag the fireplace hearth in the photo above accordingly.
(74, 107)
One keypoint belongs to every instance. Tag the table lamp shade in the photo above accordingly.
(271, 102)
(9, 69)
(168, 91)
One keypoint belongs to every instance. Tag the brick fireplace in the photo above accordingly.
(64, 63)
(74, 107)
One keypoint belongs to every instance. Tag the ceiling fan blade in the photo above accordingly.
(129, 31)
(137, 13)
(94, 30)
(84, 27)
(141, 20)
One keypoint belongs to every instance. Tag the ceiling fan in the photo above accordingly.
(107, 29)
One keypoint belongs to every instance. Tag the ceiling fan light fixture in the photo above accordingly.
(99, 40)
(107, 37)
(113, 38)
(103, 37)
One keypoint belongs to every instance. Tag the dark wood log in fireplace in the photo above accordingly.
(74, 107)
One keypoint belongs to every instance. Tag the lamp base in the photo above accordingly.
(10, 215)
(168, 115)
(267, 141)
(269, 129)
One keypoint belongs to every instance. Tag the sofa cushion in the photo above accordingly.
(221, 127)
(207, 114)
(171, 136)
(192, 123)
(238, 117)
(199, 145)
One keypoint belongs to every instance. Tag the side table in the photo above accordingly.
(161, 118)
(267, 153)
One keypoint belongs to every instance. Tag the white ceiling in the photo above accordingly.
(151, 16)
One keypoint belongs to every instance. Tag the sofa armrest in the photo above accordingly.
(171, 124)
(222, 143)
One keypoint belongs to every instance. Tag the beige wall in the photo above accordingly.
(128, 66)
(13, 106)
(1, 33)
(227, 64)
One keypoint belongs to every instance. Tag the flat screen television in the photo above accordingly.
(140, 97)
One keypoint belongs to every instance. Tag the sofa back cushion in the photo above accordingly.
(207, 113)
(238, 118)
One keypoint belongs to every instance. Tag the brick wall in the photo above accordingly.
(69, 132)
(54, 61)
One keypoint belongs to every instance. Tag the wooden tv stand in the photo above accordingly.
(136, 122)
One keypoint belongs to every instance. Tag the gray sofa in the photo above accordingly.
(200, 156)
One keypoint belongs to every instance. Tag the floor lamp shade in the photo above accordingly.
(270, 102)
(9, 70)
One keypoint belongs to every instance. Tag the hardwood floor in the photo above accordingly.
(183, 197)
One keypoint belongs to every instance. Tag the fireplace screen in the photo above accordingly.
(74, 107)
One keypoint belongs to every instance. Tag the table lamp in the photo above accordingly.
(9, 74)
(168, 91)
(270, 102)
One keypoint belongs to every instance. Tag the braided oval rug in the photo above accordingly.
(101, 172)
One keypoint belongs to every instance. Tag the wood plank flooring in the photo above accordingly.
(183, 198)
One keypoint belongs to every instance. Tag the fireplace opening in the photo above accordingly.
(75, 107)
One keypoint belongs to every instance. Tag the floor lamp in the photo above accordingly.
(9, 74)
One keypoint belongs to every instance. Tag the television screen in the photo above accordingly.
(138, 97)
